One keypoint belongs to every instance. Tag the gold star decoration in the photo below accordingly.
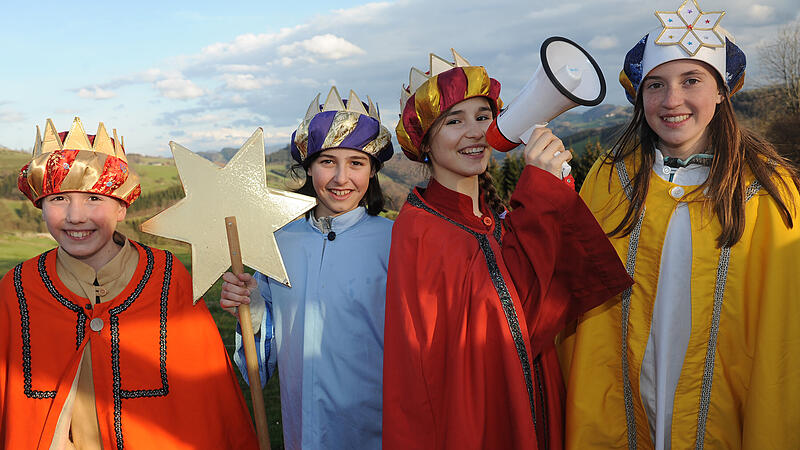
(213, 193)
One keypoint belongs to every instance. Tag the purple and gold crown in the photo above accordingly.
(431, 93)
(76, 162)
(347, 124)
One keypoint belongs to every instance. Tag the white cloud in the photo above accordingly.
(562, 10)
(96, 93)
(324, 46)
(248, 82)
(267, 76)
(247, 43)
(222, 136)
(760, 13)
(363, 14)
(279, 134)
(603, 42)
(227, 68)
(179, 88)
(238, 99)
(11, 116)
(284, 61)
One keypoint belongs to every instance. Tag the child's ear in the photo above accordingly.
(122, 211)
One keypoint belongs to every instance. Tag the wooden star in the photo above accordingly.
(213, 193)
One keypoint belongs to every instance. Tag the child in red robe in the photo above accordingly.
(475, 294)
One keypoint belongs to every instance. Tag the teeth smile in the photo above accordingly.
(78, 234)
(674, 119)
(471, 151)
(340, 192)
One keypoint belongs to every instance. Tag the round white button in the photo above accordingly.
(96, 324)
(676, 192)
(666, 169)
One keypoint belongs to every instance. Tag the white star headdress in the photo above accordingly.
(690, 27)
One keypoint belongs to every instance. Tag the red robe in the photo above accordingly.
(472, 310)
(162, 378)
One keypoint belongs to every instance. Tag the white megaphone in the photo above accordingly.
(567, 77)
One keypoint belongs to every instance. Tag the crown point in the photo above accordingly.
(37, 145)
(404, 96)
(373, 110)
(459, 60)
(354, 104)
(51, 141)
(334, 101)
(76, 138)
(102, 143)
(117, 144)
(416, 79)
(313, 108)
(439, 65)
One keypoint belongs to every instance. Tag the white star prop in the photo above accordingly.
(213, 193)
(690, 28)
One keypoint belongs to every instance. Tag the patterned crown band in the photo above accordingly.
(76, 162)
(340, 124)
(429, 94)
(687, 33)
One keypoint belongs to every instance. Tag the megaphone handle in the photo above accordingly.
(526, 136)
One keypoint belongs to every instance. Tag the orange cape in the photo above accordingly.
(162, 377)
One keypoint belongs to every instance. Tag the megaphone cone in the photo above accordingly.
(567, 77)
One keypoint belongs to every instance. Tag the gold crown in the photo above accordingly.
(437, 65)
(78, 140)
(334, 103)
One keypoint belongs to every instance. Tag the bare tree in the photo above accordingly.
(781, 61)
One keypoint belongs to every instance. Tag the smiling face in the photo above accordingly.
(457, 144)
(340, 177)
(680, 98)
(83, 224)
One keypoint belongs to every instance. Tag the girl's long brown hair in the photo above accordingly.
(735, 150)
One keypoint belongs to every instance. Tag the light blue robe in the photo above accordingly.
(328, 331)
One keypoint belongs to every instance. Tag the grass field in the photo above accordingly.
(11, 161)
(17, 247)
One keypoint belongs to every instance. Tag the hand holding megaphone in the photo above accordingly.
(567, 77)
(546, 151)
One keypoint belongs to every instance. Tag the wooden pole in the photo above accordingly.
(248, 340)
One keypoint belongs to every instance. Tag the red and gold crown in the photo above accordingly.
(76, 162)
(431, 93)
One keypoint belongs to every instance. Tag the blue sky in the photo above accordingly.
(207, 74)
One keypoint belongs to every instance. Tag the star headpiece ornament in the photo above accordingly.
(687, 33)
(341, 123)
(690, 27)
(76, 162)
(431, 93)
(212, 193)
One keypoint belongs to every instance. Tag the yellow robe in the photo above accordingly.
(739, 386)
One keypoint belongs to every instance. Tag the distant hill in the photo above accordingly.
(161, 185)
(602, 116)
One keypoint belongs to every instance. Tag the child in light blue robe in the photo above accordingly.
(325, 333)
